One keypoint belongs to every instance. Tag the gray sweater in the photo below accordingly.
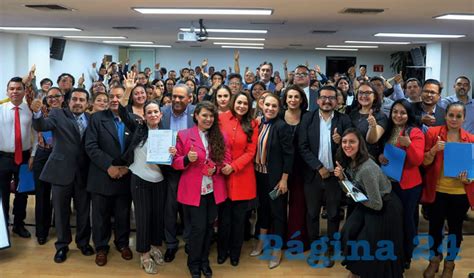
(374, 182)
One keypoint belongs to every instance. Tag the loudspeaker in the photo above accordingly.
(56, 51)
(417, 57)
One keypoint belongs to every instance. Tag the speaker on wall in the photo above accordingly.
(56, 51)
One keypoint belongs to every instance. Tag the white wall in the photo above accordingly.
(223, 58)
(21, 51)
(461, 62)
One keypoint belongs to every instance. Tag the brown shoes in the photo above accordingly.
(101, 258)
(126, 253)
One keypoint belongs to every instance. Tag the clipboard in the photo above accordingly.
(4, 235)
(352, 191)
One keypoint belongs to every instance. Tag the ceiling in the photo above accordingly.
(299, 18)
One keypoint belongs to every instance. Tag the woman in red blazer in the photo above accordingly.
(447, 198)
(201, 152)
(242, 132)
(403, 133)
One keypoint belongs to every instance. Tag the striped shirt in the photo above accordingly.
(261, 155)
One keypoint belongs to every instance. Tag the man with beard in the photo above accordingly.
(302, 80)
(318, 139)
(462, 86)
(176, 117)
(65, 170)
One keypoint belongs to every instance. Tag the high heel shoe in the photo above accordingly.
(157, 256)
(258, 250)
(149, 265)
(276, 254)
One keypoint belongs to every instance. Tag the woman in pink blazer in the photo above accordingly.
(201, 152)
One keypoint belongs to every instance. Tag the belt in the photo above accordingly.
(12, 155)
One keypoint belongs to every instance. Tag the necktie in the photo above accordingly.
(80, 124)
(18, 143)
(120, 131)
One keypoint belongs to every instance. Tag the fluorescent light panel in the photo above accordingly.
(336, 49)
(352, 46)
(204, 11)
(240, 43)
(244, 47)
(235, 39)
(40, 29)
(128, 42)
(411, 35)
(96, 37)
(229, 31)
(375, 42)
(151, 45)
(456, 16)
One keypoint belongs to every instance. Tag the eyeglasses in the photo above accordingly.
(301, 74)
(234, 83)
(429, 92)
(327, 98)
(54, 97)
(365, 93)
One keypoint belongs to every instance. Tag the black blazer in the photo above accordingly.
(280, 151)
(308, 138)
(68, 158)
(439, 114)
(103, 147)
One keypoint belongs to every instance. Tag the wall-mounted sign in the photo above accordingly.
(378, 68)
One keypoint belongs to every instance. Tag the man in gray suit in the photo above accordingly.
(66, 169)
(176, 117)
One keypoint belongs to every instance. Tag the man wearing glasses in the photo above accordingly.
(235, 83)
(432, 114)
(319, 137)
(302, 80)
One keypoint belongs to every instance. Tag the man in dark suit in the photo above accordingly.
(302, 80)
(176, 117)
(66, 168)
(319, 137)
(107, 138)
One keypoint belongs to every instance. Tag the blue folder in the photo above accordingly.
(26, 182)
(458, 157)
(396, 160)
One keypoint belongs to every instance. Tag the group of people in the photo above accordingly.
(280, 147)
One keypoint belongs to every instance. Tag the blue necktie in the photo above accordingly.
(120, 131)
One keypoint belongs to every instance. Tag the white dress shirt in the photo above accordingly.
(7, 124)
(325, 152)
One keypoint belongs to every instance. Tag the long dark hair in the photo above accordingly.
(377, 104)
(362, 154)
(144, 131)
(215, 137)
(246, 121)
(130, 99)
(304, 99)
(214, 96)
(411, 122)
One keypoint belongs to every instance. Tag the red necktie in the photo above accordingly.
(18, 144)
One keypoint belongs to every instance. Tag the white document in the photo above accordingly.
(4, 239)
(158, 144)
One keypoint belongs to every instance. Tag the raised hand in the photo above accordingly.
(192, 154)
(336, 137)
(285, 63)
(204, 62)
(404, 141)
(317, 68)
(339, 171)
(157, 66)
(236, 55)
(94, 65)
(463, 177)
(36, 105)
(189, 63)
(439, 146)
(129, 81)
(398, 78)
(81, 80)
(371, 119)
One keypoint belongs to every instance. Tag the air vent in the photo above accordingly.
(295, 45)
(48, 7)
(323, 31)
(361, 11)
(268, 22)
(125, 28)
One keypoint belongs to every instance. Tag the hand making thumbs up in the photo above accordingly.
(371, 119)
(336, 137)
(339, 171)
(192, 154)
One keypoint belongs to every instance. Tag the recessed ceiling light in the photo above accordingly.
(456, 16)
(336, 49)
(229, 31)
(40, 29)
(235, 39)
(244, 47)
(352, 46)
(410, 35)
(204, 11)
(151, 45)
(96, 37)
(239, 43)
(128, 42)
(375, 42)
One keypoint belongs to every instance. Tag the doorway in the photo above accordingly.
(338, 64)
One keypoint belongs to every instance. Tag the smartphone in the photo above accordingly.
(274, 193)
